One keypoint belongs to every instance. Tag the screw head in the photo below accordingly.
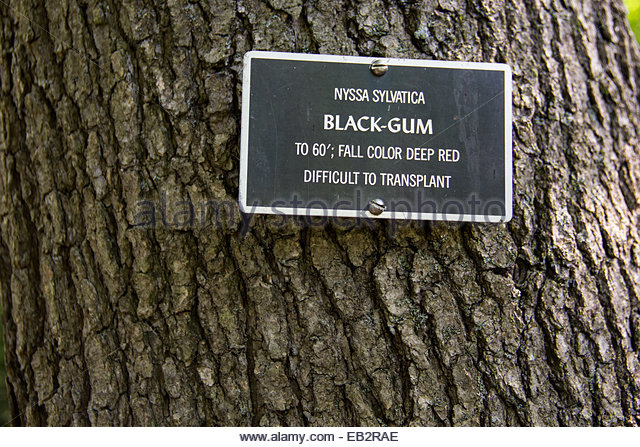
(377, 206)
(378, 67)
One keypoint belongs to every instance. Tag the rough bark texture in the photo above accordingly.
(107, 103)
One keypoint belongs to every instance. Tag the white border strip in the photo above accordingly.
(244, 138)
(332, 436)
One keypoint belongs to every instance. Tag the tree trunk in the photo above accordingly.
(107, 105)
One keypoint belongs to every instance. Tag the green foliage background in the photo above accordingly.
(634, 16)
(634, 20)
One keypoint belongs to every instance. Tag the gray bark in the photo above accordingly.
(104, 104)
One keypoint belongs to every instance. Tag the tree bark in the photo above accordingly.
(106, 104)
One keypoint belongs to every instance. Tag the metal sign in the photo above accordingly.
(343, 136)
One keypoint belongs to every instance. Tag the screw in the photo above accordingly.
(377, 206)
(378, 68)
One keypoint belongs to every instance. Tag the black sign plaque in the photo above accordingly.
(345, 136)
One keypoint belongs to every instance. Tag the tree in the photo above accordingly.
(111, 107)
